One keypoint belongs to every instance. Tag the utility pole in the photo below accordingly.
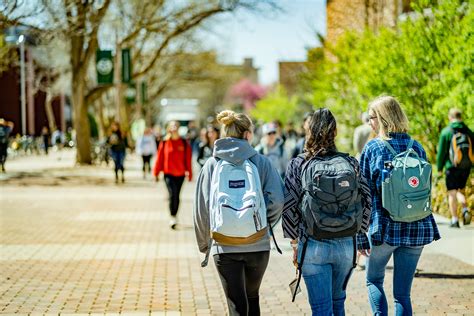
(21, 41)
(118, 79)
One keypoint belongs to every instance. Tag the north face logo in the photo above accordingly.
(344, 184)
(414, 182)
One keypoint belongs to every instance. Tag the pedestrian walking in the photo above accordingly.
(299, 148)
(455, 155)
(206, 146)
(6, 128)
(239, 196)
(273, 147)
(401, 223)
(46, 136)
(327, 202)
(361, 134)
(118, 143)
(174, 160)
(146, 148)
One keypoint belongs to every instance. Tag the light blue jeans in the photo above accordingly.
(326, 270)
(405, 260)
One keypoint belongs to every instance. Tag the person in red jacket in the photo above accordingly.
(174, 160)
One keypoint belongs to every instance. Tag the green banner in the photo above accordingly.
(144, 92)
(105, 66)
(131, 93)
(126, 66)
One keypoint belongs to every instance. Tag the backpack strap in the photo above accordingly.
(274, 239)
(389, 147)
(300, 265)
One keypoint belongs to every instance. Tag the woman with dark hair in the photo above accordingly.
(206, 147)
(327, 202)
(118, 144)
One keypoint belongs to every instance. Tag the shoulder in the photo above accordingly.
(374, 145)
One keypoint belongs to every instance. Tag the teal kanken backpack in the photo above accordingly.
(406, 185)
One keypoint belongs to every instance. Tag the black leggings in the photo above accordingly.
(241, 275)
(174, 185)
(146, 162)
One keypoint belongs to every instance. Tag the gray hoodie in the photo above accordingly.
(236, 151)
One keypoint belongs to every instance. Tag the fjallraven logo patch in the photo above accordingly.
(236, 184)
(414, 182)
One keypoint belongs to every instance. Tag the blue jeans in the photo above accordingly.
(118, 157)
(326, 269)
(405, 260)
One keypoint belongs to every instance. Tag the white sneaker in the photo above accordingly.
(173, 222)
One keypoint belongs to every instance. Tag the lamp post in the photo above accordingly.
(21, 42)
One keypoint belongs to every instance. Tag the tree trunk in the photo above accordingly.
(49, 111)
(101, 120)
(81, 122)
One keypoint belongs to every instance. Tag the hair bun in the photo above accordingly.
(226, 117)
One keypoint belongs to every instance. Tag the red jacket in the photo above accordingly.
(174, 158)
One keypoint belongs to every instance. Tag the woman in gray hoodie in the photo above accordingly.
(240, 267)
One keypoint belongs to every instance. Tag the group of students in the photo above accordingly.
(332, 206)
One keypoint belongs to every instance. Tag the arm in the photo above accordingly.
(272, 187)
(443, 149)
(159, 163)
(201, 207)
(293, 191)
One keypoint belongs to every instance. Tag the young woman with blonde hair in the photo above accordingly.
(386, 237)
(240, 266)
(174, 160)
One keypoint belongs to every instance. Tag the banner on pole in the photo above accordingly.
(104, 66)
(144, 92)
(126, 66)
(131, 93)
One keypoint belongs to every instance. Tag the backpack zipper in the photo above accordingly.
(236, 209)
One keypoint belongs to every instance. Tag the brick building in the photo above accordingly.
(343, 15)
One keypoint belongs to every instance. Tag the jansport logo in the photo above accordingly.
(414, 182)
(236, 184)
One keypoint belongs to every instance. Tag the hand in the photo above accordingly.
(295, 257)
(364, 252)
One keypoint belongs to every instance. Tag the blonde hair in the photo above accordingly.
(234, 124)
(168, 130)
(455, 114)
(390, 116)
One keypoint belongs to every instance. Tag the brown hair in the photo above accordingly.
(234, 124)
(321, 134)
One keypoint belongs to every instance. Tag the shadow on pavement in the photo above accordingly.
(443, 276)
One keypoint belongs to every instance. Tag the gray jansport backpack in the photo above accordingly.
(406, 188)
(331, 202)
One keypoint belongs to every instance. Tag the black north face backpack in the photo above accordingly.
(331, 202)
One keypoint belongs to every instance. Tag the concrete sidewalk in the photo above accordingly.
(73, 242)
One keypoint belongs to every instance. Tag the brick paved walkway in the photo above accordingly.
(72, 242)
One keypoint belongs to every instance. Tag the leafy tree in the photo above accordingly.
(426, 62)
(276, 105)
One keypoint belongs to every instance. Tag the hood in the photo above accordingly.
(457, 125)
(233, 150)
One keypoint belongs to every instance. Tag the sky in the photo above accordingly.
(271, 38)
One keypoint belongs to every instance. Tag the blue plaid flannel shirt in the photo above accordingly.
(382, 229)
